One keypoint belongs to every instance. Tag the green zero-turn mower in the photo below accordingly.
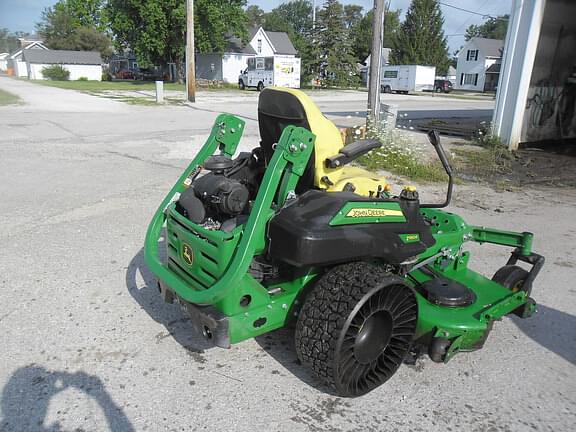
(289, 232)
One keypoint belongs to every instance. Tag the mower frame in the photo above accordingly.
(228, 305)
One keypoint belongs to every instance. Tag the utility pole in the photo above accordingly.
(376, 61)
(313, 14)
(190, 63)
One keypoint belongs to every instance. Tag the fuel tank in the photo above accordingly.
(322, 228)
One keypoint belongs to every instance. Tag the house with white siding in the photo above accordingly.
(15, 65)
(476, 70)
(4, 61)
(269, 43)
(227, 65)
(80, 64)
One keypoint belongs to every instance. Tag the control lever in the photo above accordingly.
(434, 139)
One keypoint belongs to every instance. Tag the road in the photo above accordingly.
(348, 108)
(87, 343)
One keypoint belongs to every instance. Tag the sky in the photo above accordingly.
(23, 14)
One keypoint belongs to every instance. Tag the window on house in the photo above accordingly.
(472, 55)
(391, 74)
(470, 79)
(259, 46)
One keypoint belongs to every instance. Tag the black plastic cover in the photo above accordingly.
(218, 163)
(447, 292)
(300, 234)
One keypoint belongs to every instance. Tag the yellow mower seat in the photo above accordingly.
(279, 107)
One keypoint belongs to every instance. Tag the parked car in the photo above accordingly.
(148, 74)
(125, 74)
(442, 86)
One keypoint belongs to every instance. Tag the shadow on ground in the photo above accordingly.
(550, 328)
(279, 344)
(553, 330)
(171, 316)
(26, 398)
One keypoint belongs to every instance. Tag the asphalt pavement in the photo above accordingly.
(87, 343)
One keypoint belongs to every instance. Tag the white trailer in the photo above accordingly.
(278, 71)
(407, 78)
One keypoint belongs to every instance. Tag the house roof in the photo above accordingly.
(36, 45)
(62, 57)
(281, 43)
(235, 45)
(495, 68)
(489, 47)
(385, 57)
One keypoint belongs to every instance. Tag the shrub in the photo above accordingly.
(399, 155)
(56, 73)
(82, 79)
(106, 76)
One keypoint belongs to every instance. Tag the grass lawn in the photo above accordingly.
(96, 86)
(8, 98)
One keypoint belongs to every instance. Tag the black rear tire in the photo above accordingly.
(356, 327)
(260, 86)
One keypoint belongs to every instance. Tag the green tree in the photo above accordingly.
(75, 25)
(421, 38)
(338, 61)
(494, 28)
(87, 13)
(295, 18)
(214, 19)
(156, 29)
(273, 21)
(254, 16)
(9, 41)
(352, 15)
(361, 33)
(298, 13)
(90, 39)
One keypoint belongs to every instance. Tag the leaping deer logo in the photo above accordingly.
(187, 254)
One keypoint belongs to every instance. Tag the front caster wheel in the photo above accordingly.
(356, 327)
(513, 277)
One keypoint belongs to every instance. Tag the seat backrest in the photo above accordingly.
(281, 107)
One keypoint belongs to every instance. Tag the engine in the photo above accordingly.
(218, 198)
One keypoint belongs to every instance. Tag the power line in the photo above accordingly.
(470, 17)
(471, 12)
